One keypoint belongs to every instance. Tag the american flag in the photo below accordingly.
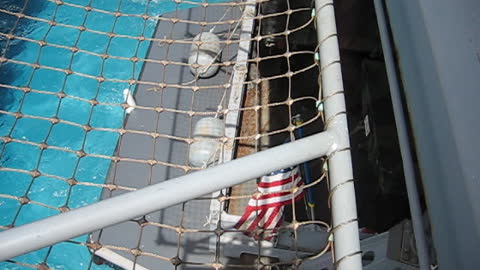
(266, 211)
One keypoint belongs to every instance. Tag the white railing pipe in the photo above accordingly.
(46, 232)
(344, 210)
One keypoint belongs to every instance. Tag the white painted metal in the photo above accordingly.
(376, 245)
(46, 232)
(403, 137)
(344, 210)
(128, 96)
(236, 96)
(238, 81)
(118, 259)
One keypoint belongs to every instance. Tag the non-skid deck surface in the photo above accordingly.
(192, 247)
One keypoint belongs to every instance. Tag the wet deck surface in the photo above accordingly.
(152, 239)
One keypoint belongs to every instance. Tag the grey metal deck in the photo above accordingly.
(151, 239)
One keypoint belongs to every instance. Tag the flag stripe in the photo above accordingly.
(257, 219)
(282, 188)
(266, 211)
(276, 213)
(242, 220)
(268, 199)
(271, 192)
(277, 183)
(276, 204)
(279, 176)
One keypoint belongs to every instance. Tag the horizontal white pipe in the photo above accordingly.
(46, 232)
(118, 259)
(344, 209)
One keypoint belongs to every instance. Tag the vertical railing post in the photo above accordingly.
(344, 211)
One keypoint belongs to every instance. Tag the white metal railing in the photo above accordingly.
(124, 207)
(333, 142)
(342, 193)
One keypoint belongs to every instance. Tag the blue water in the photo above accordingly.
(51, 191)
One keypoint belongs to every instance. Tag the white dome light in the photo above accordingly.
(206, 147)
(204, 54)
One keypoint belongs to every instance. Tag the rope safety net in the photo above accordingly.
(103, 97)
